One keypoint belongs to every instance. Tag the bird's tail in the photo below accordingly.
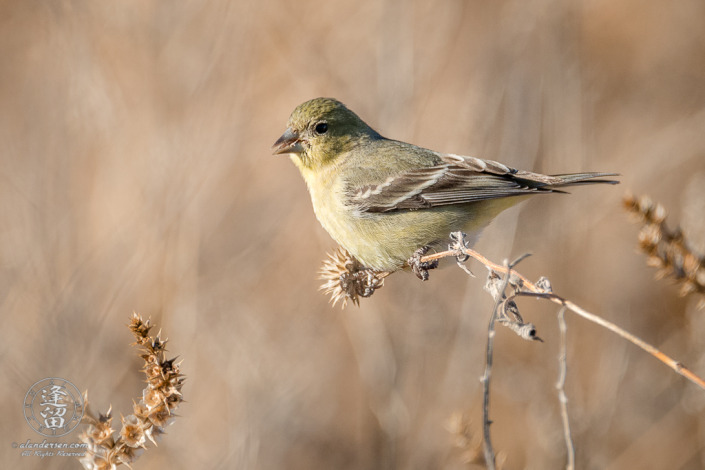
(553, 183)
(575, 179)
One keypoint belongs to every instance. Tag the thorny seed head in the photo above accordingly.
(160, 416)
(132, 432)
(152, 398)
(346, 279)
(158, 345)
(140, 409)
(139, 327)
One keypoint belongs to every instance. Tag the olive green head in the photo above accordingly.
(320, 130)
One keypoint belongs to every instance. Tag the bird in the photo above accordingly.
(387, 202)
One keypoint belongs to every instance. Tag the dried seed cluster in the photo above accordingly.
(667, 250)
(151, 414)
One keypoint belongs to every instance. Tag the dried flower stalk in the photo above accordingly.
(151, 414)
(560, 387)
(667, 250)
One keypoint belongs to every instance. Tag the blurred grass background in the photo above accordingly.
(136, 176)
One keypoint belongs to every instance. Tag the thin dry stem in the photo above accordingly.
(560, 386)
(531, 289)
(486, 377)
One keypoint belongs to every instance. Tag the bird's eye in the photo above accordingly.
(321, 128)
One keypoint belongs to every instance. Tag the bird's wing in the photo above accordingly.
(459, 180)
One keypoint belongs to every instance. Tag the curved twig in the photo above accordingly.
(531, 289)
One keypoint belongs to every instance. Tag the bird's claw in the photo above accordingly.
(361, 283)
(421, 268)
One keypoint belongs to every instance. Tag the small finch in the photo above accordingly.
(383, 200)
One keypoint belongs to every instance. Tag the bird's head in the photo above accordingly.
(321, 130)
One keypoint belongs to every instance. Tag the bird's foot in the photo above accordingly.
(347, 279)
(361, 283)
(421, 268)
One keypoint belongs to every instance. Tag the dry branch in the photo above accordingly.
(528, 288)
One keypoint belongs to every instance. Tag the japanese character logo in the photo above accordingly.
(53, 407)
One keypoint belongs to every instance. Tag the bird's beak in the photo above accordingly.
(288, 143)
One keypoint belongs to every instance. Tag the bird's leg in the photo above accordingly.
(421, 268)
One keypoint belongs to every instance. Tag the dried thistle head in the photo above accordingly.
(345, 278)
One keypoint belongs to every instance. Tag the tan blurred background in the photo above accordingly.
(136, 176)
